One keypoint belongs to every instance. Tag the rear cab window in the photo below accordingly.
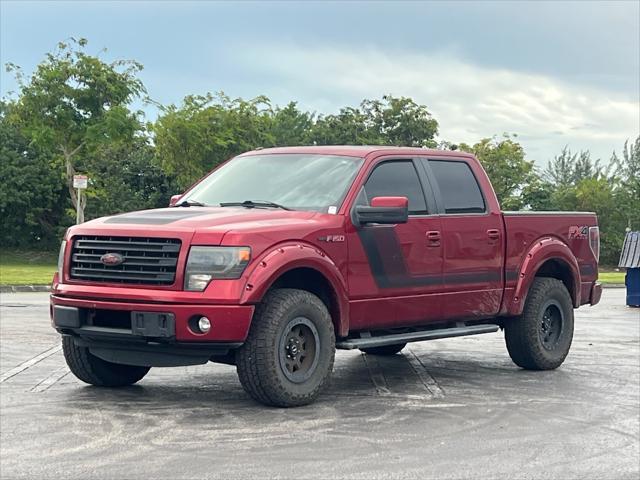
(459, 189)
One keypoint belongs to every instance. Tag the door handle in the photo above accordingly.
(493, 234)
(433, 238)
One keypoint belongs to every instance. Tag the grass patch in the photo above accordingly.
(27, 267)
(611, 277)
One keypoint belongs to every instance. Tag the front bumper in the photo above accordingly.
(108, 329)
(229, 323)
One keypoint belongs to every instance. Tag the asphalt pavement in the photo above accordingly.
(446, 409)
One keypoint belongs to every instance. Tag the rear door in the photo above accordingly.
(472, 240)
(396, 270)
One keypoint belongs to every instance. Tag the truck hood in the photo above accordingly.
(210, 223)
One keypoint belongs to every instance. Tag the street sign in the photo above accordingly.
(80, 181)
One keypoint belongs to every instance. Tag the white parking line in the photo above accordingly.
(424, 375)
(29, 363)
(376, 374)
(54, 377)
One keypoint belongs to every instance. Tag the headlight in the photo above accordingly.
(63, 246)
(207, 263)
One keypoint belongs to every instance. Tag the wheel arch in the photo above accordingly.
(549, 257)
(303, 267)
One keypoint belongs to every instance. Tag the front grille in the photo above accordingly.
(150, 261)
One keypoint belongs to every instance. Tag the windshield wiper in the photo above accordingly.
(190, 203)
(254, 204)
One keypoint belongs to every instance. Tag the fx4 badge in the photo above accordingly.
(332, 238)
(578, 232)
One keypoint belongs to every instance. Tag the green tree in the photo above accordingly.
(31, 194)
(538, 193)
(627, 177)
(290, 126)
(125, 178)
(578, 183)
(207, 130)
(75, 102)
(505, 164)
(597, 195)
(401, 121)
(348, 127)
(567, 168)
(389, 121)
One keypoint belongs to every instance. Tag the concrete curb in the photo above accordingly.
(613, 285)
(24, 288)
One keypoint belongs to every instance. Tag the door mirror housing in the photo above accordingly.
(383, 210)
(174, 199)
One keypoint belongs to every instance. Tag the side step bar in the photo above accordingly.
(367, 342)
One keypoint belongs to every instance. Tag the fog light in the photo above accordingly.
(204, 325)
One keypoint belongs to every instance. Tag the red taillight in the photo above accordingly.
(594, 242)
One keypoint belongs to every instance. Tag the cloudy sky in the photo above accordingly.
(554, 73)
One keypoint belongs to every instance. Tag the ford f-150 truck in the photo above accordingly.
(280, 256)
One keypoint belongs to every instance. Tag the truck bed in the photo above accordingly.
(524, 228)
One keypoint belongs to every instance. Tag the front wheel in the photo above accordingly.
(95, 371)
(288, 356)
(541, 337)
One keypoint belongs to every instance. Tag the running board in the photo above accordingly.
(368, 342)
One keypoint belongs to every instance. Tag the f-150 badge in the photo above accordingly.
(332, 238)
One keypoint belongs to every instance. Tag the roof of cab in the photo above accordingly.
(356, 150)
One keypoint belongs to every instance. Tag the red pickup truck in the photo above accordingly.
(280, 256)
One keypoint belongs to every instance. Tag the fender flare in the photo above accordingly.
(543, 250)
(285, 257)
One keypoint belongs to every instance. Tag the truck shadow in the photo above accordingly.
(424, 380)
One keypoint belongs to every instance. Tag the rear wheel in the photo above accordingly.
(288, 356)
(541, 337)
(95, 371)
(384, 350)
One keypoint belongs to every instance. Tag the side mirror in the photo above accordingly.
(174, 199)
(384, 210)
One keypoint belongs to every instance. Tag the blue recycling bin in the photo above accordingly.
(630, 259)
(632, 281)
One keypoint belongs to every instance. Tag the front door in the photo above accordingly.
(396, 270)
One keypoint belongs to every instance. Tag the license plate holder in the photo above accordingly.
(153, 324)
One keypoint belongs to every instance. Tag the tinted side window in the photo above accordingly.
(398, 178)
(458, 187)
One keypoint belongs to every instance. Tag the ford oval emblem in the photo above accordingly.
(112, 259)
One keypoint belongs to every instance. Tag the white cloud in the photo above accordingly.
(469, 101)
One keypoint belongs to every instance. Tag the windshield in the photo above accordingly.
(296, 181)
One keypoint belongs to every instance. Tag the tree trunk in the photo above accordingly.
(71, 171)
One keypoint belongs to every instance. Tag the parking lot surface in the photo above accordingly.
(454, 408)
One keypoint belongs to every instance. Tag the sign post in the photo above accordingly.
(80, 183)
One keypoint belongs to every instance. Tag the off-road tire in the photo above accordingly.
(95, 371)
(259, 362)
(384, 350)
(524, 334)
